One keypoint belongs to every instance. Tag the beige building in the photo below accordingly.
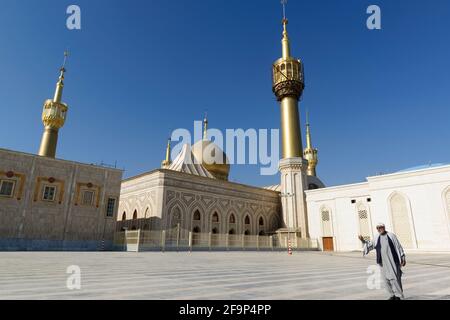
(48, 203)
(188, 195)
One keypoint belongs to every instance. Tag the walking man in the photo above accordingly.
(390, 258)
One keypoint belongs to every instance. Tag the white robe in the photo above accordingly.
(391, 271)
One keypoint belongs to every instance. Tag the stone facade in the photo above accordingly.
(413, 204)
(162, 199)
(55, 204)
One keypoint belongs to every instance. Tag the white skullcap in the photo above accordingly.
(380, 224)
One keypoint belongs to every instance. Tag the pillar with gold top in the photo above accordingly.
(53, 117)
(287, 85)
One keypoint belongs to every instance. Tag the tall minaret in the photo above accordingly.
(205, 127)
(167, 162)
(53, 117)
(310, 153)
(288, 85)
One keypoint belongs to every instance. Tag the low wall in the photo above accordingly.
(54, 245)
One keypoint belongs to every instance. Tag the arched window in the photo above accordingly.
(447, 201)
(247, 220)
(401, 221)
(215, 218)
(261, 221)
(197, 215)
(364, 224)
(232, 218)
(289, 70)
(215, 231)
(135, 215)
(124, 216)
(146, 212)
(175, 217)
(231, 231)
(196, 230)
(327, 229)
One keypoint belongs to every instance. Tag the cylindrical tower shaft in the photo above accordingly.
(290, 128)
(49, 142)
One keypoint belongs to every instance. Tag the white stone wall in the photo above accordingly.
(425, 193)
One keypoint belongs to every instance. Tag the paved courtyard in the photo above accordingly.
(216, 275)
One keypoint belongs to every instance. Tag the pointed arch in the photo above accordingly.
(147, 212)
(135, 214)
(197, 216)
(168, 222)
(175, 217)
(231, 217)
(446, 197)
(401, 219)
(124, 216)
(364, 224)
(274, 221)
(215, 217)
(261, 222)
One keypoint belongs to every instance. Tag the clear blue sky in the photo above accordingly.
(378, 100)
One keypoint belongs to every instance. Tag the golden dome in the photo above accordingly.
(210, 156)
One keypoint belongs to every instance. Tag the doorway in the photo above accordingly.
(327, 244)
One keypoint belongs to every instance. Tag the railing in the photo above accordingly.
(183, 240)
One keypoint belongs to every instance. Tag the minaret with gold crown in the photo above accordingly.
(53, 117)
(310, 153)
(288, 85)
(165, 164)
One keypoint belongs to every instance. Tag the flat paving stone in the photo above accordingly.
(214, 275)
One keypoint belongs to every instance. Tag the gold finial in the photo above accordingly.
(284, 3)
(166, 163)
(205, 127)
(310, 153)
(60, 83)
(308, 132)
(285, 41)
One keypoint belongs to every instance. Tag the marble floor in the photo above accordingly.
(213, 275)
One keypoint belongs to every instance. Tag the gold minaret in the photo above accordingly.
(310, 153)
(288, 85)
(167, 162)
(205, 127)
(53, 117)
